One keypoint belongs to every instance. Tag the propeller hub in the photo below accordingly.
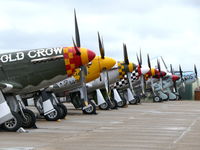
(144, 70)
(105, 63)
(151, 72)
(159, 74)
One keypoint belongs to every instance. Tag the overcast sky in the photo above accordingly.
(168, 28)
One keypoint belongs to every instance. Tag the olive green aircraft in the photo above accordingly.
(27, 71)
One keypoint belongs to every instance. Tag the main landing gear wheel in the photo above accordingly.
(104, 106)
(157, 99)
(13, 124)
(53, 116)
(138, 99)
(122, 103)
(134, 101)
(91, 109)
(29, 120)
(112, 103)
(63, 110)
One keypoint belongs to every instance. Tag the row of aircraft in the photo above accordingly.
(48, 77)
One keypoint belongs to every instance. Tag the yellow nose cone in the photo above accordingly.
(107, 63)
(153, 71)
(97, 66)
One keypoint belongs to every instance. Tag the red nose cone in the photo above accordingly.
(175, 78)
(91, 55)
(163, 73)
(157, 72)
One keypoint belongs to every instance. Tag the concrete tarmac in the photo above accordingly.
(149, 126)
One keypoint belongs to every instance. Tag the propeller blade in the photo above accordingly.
(171, 69)
(182, 79)
(138, 61)
(125, 54)
(196, 76)
(149, 63)
(195, 70)
(78, 43)
(158, 64)
(181, 72)
(101, 47)
(140, 57)
(76, 48)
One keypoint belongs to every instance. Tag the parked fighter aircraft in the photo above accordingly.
(167, 87)
(72, 86)
(138, 81)
(114, 75)
(28, 71)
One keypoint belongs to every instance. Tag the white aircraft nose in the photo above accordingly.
(144, 70)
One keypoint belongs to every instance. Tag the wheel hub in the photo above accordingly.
(120, 103)
(104, 105)
(53, 114)
(89, 109)
(11, 123)
(157, 99)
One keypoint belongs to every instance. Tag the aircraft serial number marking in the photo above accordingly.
(32, 54)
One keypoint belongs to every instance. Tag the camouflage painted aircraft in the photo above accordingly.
(28, 71)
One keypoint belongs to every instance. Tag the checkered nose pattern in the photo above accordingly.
(73, 60)
(124, 68)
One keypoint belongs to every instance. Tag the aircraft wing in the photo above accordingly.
(7, 87)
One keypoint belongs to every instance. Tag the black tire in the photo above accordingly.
(138, 100)
(112, 104)
(13, 124)
(122, 103)
(157, 99)
(90, 110)
(104, 106)
(30, 120)
(134, 101)
(63, 110)
(53, 116)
